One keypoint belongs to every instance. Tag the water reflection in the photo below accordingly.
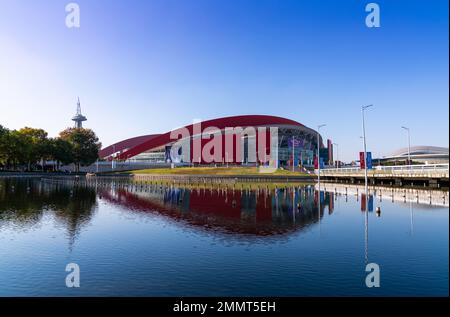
(257, 212)
(152, 239)
(425, 198)
(23, 203)
(422, 197)
(261, 212)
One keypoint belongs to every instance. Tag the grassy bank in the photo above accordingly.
(218, 171)
(235, 186)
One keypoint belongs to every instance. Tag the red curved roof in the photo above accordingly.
(220, 123)
(125, 144)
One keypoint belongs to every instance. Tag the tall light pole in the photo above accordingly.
(112, 161)
(366, 218)
(318, 173)
(363, 108)
(293, 154)
(318, 154)
(409, 144)
(337, 154)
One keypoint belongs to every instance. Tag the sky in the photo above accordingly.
(143, 67)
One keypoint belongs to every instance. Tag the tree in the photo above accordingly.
(85, 145)
(13, 148)
(37, 145)
(27, 146)
(3, 135)
(3, 145)
(61, 151)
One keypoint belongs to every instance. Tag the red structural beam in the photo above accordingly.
(125, 144)
(221, 123)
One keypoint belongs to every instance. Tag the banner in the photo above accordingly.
(322, 164)
(295, 143)
(369, 160)
(362, 161)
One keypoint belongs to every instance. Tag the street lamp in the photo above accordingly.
(318, 153)
(409, 144)
(363, 108)
(112, 160)
(337, 152)
(366, 218)
(293, 154)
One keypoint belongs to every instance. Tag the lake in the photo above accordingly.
(159, 240)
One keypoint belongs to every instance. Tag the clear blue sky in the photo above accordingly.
(144, 67)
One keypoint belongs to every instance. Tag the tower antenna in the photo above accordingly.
(79, 118)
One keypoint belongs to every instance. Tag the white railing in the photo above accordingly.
(410, 169)
(417, 196)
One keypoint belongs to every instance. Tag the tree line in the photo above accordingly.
(29, 149)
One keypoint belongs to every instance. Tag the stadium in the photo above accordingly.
(418, 155)
(238, 140)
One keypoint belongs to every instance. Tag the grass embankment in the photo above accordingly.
(232, 185)
(217, 171)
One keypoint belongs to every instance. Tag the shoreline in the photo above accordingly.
(201, 179)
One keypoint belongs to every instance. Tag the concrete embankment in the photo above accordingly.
(38, 174)
(181, 179)
(186, 179)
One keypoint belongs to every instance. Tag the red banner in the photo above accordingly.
(362, 160)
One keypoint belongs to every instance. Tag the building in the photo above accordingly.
(419, 154)
(330, 152)
(240, 140)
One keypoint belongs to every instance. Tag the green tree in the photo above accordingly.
(85, 145)
(4, 133)
(61, 152)
(36, 145)
(14, 149)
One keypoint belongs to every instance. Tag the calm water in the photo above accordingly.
(169, 241)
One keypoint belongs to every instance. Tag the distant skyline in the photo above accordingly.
(144, 67)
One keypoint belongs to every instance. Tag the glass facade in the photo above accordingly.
(296, 145)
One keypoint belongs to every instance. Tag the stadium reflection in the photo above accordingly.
(260, 212)
(256, 212)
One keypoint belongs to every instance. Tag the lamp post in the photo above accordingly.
(112, 161)
(366, 218)
(337, 152)
(318, 154)
(293, 154)
(409, 144)
(318, 173)
(363, 108)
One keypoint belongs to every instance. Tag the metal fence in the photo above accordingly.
(400, 169)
